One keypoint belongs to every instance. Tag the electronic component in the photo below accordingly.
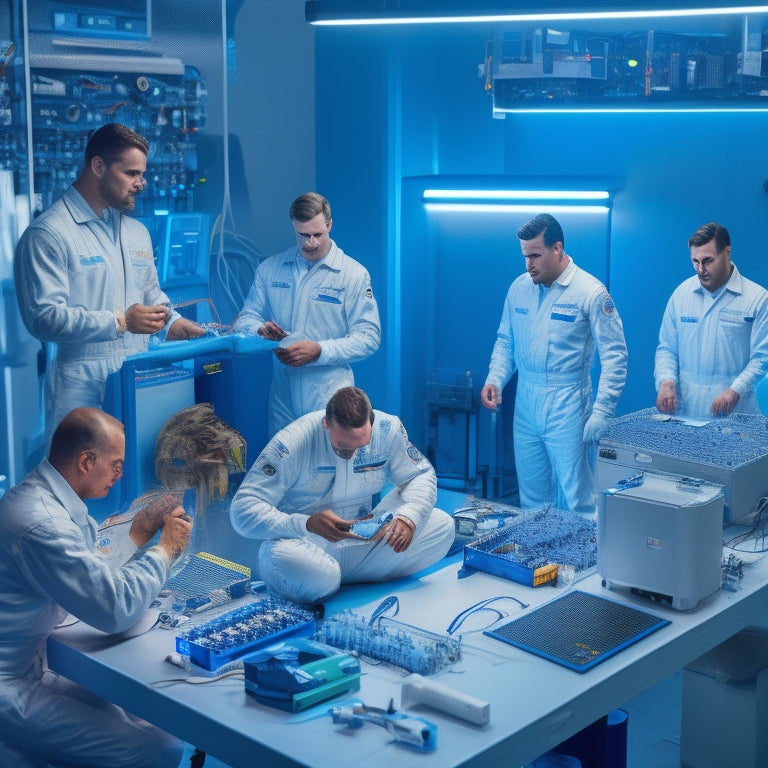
(207, 580)
(732, 452)
(414, 731)
(418, 690)
(299, 673)
(368, 528)
(240, 631)
(663, 537)
(530, 548)
(384, 639)
(169, 108)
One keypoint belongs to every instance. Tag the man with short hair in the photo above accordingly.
(85, 276)
(318, 477)
(554, 317)
(713, 341)
(318, 302)
(50, 566)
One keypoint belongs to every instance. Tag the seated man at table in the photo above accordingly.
(316, 477)
(50, 566)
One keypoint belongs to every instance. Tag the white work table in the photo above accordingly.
(535, 704)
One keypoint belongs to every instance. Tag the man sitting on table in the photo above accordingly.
(49, 566)
(316, 477)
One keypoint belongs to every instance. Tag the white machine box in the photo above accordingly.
(662, 535)
(731, 452)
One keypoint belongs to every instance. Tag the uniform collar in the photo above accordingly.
(74, 505)
(332, 260)
(734, 284)
(79, 209)
(567, 274)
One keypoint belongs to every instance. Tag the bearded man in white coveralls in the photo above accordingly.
(713, 341)
(85, 276)
(50, 566)
(318, 302)
(316, 478)
(554, 317)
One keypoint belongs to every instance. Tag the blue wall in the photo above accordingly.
(397, 104)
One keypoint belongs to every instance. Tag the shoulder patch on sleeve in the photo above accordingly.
(609, 308)
(369, 292)
(268, 469)
(413, 453)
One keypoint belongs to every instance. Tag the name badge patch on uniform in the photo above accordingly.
(688, 319)
(371, 465)
(137, 254)
(89, 261)
(564, 312)
(521, 310)
(280, 284)
(328, 294)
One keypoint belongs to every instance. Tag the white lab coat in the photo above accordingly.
(73, 272)
(707, 345)
(298, 474)
(549, 336)
(332, 304)
(49, 566)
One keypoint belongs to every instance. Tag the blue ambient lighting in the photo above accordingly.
(514, 194)
(314, 15)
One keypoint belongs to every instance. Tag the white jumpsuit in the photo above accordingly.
(73, 271)
(710, 343)
(549, 336)
(298, 474)
(49, 567)
(332, 304)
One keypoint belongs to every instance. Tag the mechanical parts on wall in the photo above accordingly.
(168, 109)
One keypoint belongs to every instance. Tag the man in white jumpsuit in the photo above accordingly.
(85, 276)
(554, 316)
(318, 302)
(316, 478)
(50, 566)
(713, 342)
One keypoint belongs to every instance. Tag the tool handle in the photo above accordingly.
(418, 690)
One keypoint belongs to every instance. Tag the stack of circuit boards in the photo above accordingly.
(533, 547)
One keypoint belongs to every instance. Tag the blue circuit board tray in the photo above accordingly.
(533, 545)
(578, 630)
(243, 630)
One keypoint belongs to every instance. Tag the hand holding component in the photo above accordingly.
(177, 527)
(148, 521)
(298, 354)
(182, 329)
(725, 402)
(330, 526)
(666, 399)
(399, 534)
(272, 331)
(140, 318)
